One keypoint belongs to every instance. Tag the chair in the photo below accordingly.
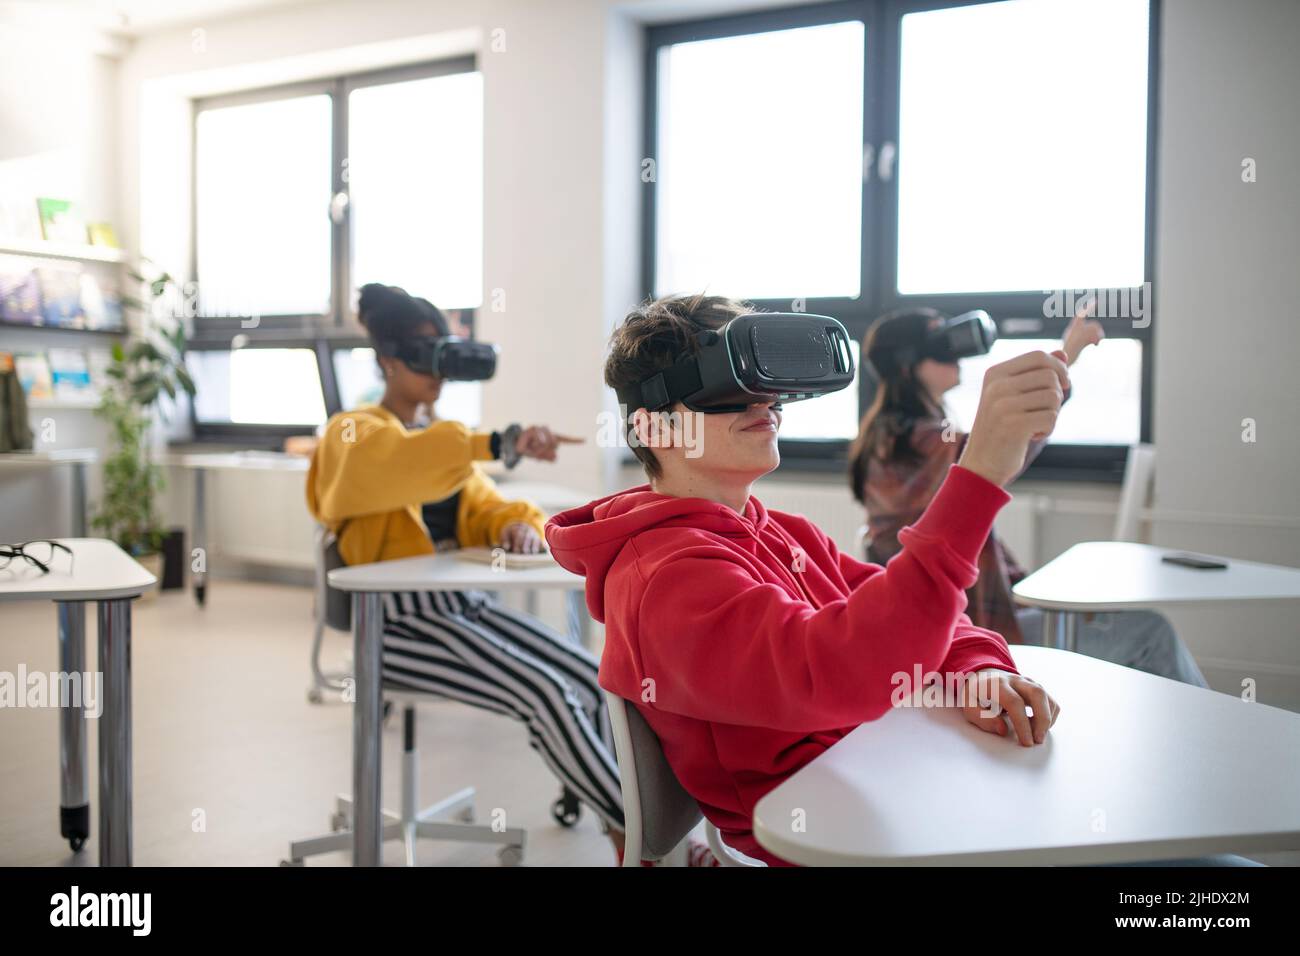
(1135, 493)
(449, 819)
(326, 614)
(657, 812)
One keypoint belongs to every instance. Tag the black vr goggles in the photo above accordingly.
(950, 339)
(756, 358)
(446, 356)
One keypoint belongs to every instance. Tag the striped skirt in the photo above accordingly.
(467, 647)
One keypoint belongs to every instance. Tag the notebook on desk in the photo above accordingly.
(500, 558)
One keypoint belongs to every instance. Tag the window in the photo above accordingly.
(1104, 400)
(257, 386)
(262, 187)
(1017, 172)
(802, 238)
(852, 157)
(415, 178)
(306, 192)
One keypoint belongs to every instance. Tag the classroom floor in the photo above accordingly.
(222, 725)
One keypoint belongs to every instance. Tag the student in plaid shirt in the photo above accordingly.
(904, 448)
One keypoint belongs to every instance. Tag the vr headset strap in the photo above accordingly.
(660, 390)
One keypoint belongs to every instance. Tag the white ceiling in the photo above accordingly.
(130, 17)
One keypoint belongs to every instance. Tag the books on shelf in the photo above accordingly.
(69, 373)
(61, 221)
(66, 376)
(20, 297)
(61, 295)
(34, 374)
(57, 295)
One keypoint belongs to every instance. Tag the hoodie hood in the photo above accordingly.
(588, 540)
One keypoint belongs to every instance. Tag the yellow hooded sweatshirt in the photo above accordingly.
(369, 476)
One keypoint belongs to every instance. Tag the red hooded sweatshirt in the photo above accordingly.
(751, 645)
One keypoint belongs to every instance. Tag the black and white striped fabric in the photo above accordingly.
(467, 647)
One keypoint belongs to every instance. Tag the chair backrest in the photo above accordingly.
(333, 607)
(657, 811)
(1135, 493)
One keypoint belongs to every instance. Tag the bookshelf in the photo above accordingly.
(45, 249)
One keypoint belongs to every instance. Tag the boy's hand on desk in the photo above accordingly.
(1012, 696)
(521, 538)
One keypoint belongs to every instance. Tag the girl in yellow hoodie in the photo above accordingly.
(390, 491)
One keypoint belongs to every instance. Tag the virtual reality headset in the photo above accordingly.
(446, 356)
(753, 359)
(962, 336)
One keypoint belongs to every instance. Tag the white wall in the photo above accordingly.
(58, 138)
(1227, 337)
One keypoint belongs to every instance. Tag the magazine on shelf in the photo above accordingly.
(20, 295)
(60, 287)
(34, 374)
(69, 373)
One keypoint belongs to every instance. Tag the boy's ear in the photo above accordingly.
(656, 430)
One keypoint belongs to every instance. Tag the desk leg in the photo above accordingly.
(1060, 629)
(79, 499)
(115, 734)
(367, 727)
(74, 787)
(200, 534)
(579, 619)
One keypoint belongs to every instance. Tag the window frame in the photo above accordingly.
(320, 332)
(882, 20)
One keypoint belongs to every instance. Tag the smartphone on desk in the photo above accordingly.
(1185, 559)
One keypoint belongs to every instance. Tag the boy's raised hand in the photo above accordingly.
(1019, 402)
(1012, 696)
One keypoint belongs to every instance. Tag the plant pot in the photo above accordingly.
(153, 563)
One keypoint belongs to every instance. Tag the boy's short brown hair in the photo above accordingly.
(651, 338)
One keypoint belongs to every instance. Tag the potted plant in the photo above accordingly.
(138, 376)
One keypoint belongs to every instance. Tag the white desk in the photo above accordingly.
(200, 463)
(368, 583)
(1101, 576)
(1152, 769)
(104, 573)
(75, 458)
(551, 498)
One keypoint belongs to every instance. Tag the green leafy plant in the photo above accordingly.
(138, 376)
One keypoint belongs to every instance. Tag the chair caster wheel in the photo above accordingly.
(314, 696)
(77, 843)
(339, 822)
(291, 863)
(511, 855)
(566, 810)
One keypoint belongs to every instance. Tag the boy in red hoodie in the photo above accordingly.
(748, 642)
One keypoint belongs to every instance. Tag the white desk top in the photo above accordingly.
(237, 461)
(1118, 575)
(101, 571)
(61, 456)
(1148, 769)
(446, 572)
